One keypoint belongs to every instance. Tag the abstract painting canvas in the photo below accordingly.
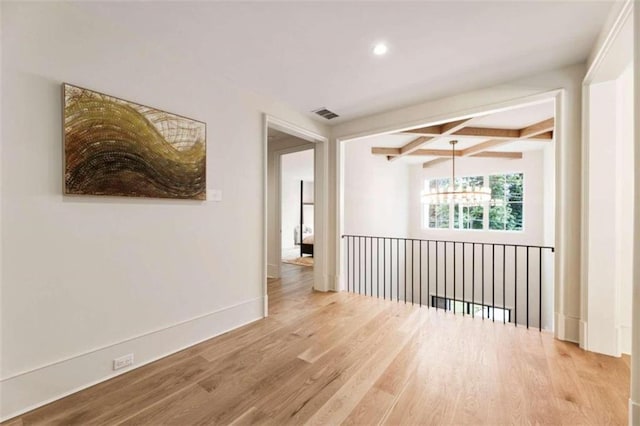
(116, 147)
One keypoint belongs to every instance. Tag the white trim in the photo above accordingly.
(293, 129)
(597, 59)
(273, 271)
(583, 338)
(265, 306)
(291, 150)
(130, 339)
(566, 331)
(584, 224)
(624, 339)
(567, 328)
(599, 56)
(634, 413)
(23, 392)
(320, 281)
(339, 215)
(265, 197)
(459, 115)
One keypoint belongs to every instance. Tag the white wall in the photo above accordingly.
(295, 167)
(376, 192)
(568, 170)
(86, 279)
(376, 203)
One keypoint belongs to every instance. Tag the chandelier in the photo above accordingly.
(466, 196)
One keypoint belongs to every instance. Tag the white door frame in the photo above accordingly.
(321, 214)
(607, 58)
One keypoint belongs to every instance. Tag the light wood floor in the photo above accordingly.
(342, 358)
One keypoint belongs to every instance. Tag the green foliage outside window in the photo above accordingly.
(506, 212)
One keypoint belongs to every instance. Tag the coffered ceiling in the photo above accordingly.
(505, 135)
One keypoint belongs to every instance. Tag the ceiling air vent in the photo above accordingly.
(325, 113)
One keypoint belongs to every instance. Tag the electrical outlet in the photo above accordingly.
(123, 361)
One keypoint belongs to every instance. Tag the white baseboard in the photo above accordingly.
(624, 337)
(29, 390)
(567, 328)
(621, 344)
(273, 270)
(584, 341)
(335, 283)
(634, 413)
(265, 311)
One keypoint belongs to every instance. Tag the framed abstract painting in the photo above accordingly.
(120, 148)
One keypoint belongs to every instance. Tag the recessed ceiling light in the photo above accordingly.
(380, 49)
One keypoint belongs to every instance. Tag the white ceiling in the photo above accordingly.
(517, 118)
(318, 54)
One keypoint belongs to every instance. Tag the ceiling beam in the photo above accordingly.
(539, 132)
(445, 129)
(487, 132)
(498, 154)
(437, 153)
(395, 152)
(445, 154)
(429, 130)
(453, 126)
(539, 128)
(414, 145)
(484, 154)
(385, 151)
(484, 146)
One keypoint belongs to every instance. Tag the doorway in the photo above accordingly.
(387, 223)
(282, 139)
(291, 188)
(297, 207)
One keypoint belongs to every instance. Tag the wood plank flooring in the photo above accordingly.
(339, 358)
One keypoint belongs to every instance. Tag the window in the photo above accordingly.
(438, 215)
(468, 217)
(468, 308)
(503, 213)
(506, 212)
